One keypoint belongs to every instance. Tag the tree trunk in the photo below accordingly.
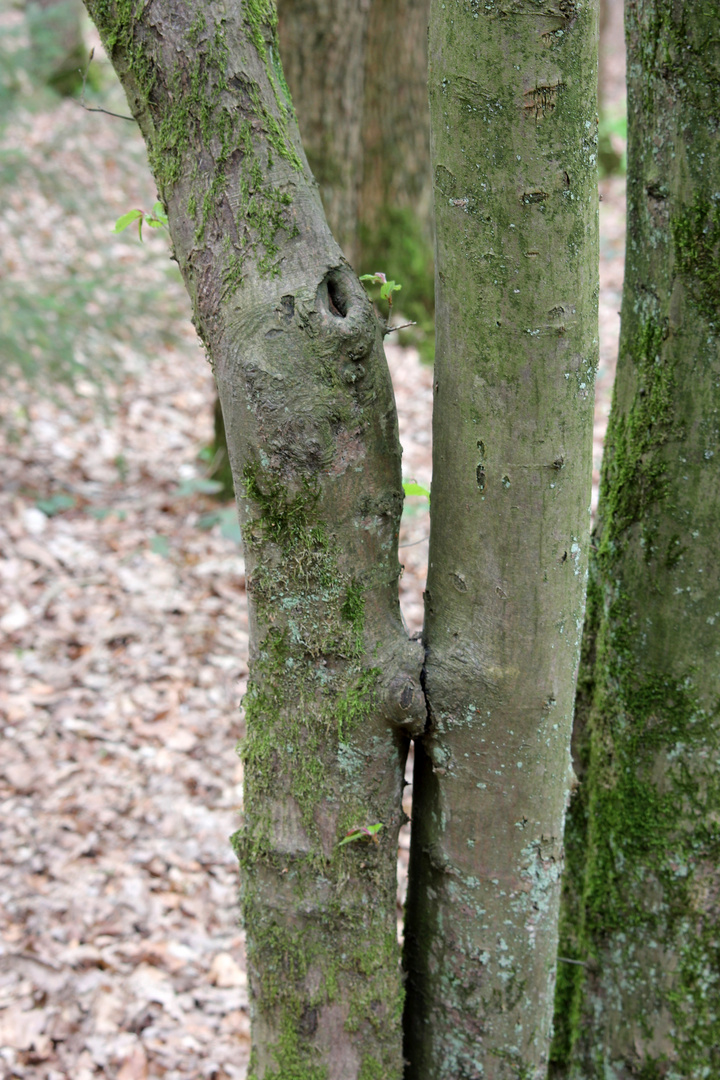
(312, 435)
(396, 128)
(647, 841)
(395, 203)
(514, 139)
(220, 469)
(358, 77)
(323, 50)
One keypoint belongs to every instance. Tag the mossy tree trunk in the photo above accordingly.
(312, 435)
(514, 142)
(644, 829)
(362, 105)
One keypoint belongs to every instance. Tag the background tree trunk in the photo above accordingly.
(645, 839)
(368, 145)
(323, 45)
(312, 435)
(395, 232)
(514, 140)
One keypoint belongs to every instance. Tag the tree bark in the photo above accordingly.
(312, 435)
(644, 917)
(513, 145)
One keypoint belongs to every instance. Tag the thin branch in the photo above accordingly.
(567, 960)
(402, 326)
(92, 108)
(414, 542)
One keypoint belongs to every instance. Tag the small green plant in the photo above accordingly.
(362, 832)
(387, 288)
(56, 504)
(160, 545)
(156, 219)
(195, 485)
(227, 519)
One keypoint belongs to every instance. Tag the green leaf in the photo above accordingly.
(100, 513)
(209, 521)
(160, 545)
(55, 504)
(411, 488)
(127, 219)
(227, 519)
(159, 213)
(195, 484)
(388, 289)
(362, 832)
(229, 524)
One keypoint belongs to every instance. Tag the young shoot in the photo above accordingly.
(387, 288)
(155, 218)
(362, 832)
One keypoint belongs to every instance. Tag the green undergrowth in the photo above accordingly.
(74, 313)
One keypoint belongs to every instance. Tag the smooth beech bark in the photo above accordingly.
(312, 435)
(641, 907)
(513, 149)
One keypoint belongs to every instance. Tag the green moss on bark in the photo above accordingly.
(195, 121)
(696, 237)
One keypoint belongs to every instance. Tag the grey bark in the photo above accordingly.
(513, 145)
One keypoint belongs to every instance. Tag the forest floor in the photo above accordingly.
(123, 636)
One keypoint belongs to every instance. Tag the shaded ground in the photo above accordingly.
(123, 647)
